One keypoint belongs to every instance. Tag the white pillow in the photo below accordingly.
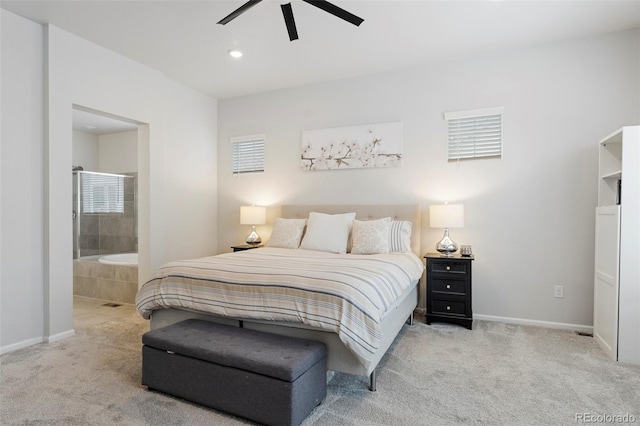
(287, 233)
(327, 232)
(371, 236)
(400, 236)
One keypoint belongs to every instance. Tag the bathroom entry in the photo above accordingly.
(105, 168)
(104, 207)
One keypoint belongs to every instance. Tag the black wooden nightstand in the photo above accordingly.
(245, 247)
(449, 289)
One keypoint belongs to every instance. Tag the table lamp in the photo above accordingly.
(253, 215)
(446, 216)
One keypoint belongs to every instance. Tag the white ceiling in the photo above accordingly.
(98, 123)
(182, 40)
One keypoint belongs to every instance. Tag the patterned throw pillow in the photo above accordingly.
(287, 233)
(400, 236)
(371, 236)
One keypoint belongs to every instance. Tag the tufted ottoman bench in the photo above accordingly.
(268, 378)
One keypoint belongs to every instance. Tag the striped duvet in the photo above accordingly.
(346, 294)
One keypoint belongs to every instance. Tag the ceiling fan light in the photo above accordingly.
(234, 53)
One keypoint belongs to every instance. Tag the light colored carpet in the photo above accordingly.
(496, 374)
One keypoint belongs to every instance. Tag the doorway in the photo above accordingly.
(105, 215)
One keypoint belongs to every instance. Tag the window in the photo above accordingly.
(102, 193)
(248, 154)
(474, 134)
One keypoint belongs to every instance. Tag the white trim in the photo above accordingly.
(536, 323)
(60, 336)
(473, 113)
(36, 340)
(248, 138)
(20, 345)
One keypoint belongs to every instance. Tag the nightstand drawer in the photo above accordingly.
(449, 307)
(448, 267)
(449, 286)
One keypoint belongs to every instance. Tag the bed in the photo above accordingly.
(357, 333)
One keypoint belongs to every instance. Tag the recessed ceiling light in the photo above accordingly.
(235, 53)
(90, 127)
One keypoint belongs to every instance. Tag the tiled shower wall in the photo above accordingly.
(110, 233)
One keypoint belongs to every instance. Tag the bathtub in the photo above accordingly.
(106, 277)
(124, 259)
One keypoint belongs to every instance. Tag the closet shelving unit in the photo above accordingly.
(616, 316)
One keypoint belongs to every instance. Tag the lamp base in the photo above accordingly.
(253, 238)
(447, 247)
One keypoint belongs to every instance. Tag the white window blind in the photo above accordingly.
(102, 193)
(248, 154)
(474, 134)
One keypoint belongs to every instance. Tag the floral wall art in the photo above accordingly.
(353, 147)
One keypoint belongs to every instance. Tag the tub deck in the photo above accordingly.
(116, 283)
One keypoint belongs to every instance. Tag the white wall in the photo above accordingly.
(21, 248)
(176, 157)
(118, 152)
(529, 216)
(1, 180)
(85, 151)
(108, 153)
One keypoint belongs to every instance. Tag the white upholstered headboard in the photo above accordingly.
(410, 212)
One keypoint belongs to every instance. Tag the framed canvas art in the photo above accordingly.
(353, 147)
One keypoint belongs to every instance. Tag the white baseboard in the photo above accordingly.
(537, 323)
(35, 341)
(20, 345)
(60, 336)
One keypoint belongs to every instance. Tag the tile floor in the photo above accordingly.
(88, 311)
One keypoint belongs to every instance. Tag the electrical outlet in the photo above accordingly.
(558, 291)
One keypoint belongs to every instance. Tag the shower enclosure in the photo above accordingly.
(104, 213)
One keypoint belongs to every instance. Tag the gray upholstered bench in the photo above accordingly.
(268, 378)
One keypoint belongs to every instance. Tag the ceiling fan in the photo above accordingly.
(287, 12)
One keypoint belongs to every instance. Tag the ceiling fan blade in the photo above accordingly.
(239, 11)
(335, 10)
(287, 12)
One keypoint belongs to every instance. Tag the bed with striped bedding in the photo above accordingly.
(345, 294)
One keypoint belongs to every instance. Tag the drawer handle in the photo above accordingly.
(448, 308)
(448, 268)
(448, 285)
